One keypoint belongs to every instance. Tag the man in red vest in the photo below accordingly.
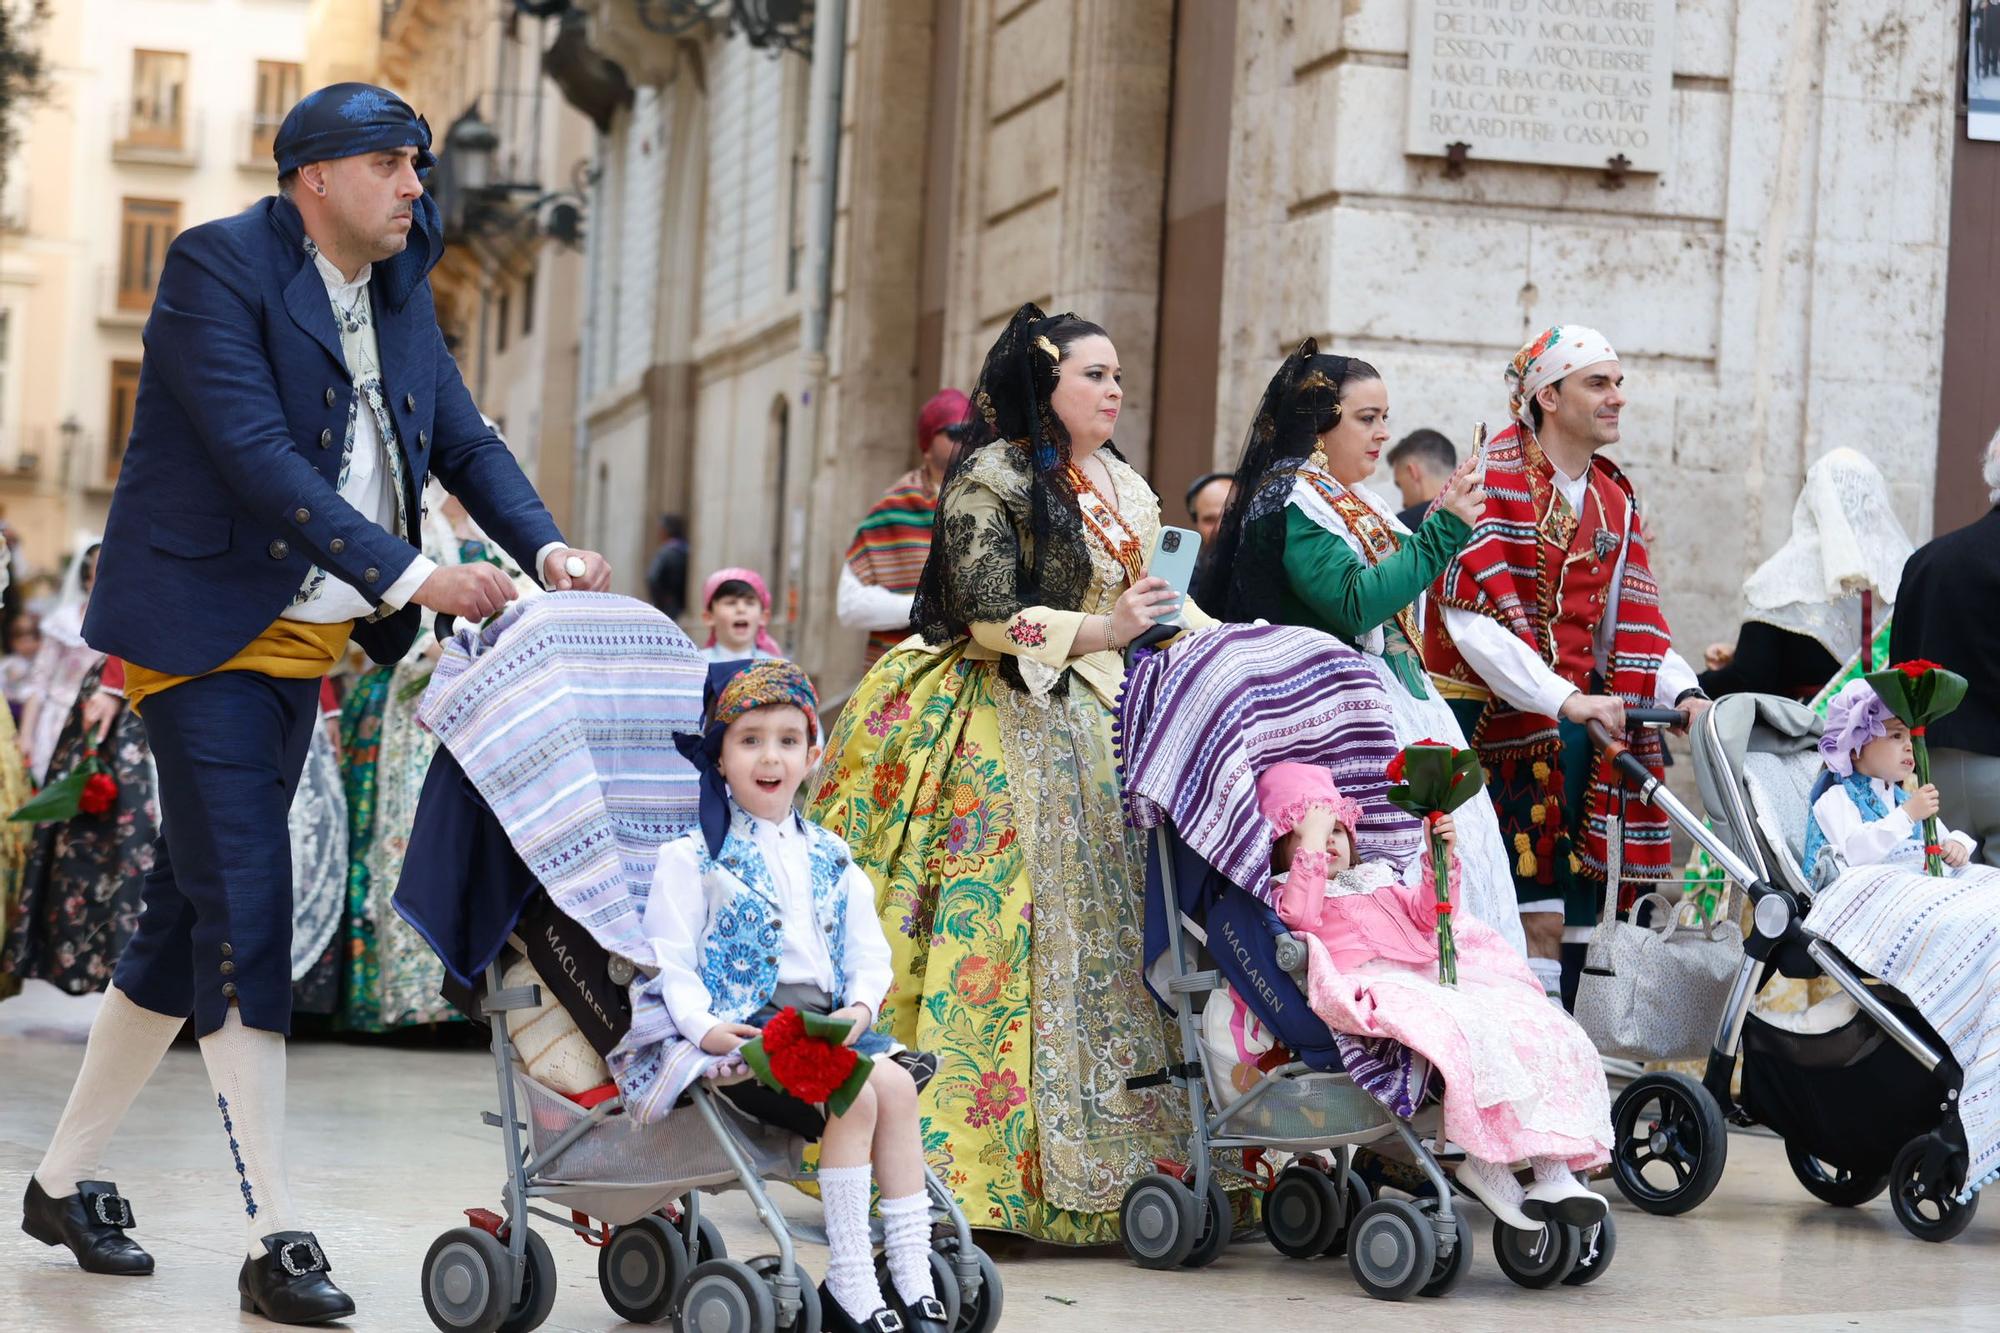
(1548, 619)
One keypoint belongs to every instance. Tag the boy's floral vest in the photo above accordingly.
(740, 951)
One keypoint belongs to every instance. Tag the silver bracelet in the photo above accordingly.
(1111, 637)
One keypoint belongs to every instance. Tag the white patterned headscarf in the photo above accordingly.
(1845, 540)
(1556, 352)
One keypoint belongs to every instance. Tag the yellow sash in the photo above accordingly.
(288, 650)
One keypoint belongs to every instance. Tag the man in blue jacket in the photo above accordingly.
(296, 393)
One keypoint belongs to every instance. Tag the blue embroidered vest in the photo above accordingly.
(1860, 791)
(745, 938)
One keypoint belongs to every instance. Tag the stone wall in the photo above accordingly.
(1777, 291)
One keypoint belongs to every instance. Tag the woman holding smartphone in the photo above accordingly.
(1306, 542)
(974, 779)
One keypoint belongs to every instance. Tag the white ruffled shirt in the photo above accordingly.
(1861, 841)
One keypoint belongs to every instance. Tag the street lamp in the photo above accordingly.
(478, 205)
(471, 143)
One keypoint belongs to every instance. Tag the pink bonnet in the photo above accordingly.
(1286, 791)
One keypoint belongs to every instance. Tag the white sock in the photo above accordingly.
(246, 1067)
(1551, 1170)
(1549, 971)
(125, 1046)
(1498, 1181)
(850, 1263)
(906, 1239)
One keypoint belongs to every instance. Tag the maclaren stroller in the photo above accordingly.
(1197, 723)
(1861, 1089)
(555, 783)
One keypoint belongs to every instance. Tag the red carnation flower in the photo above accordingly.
(1916, 667)
(1394, 772)
(810, 1068)
(100, 791)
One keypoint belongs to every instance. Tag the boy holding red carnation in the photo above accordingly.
(759, 915)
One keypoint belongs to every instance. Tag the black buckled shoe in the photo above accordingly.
(833, 1318)
(289, 1285)
(92, 1222)
(926, 1315)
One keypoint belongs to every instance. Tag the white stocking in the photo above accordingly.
(850, 1264)
(246, 1067)
(126, 1043)
(906, 1239)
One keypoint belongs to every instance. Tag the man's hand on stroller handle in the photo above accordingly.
(1607, 709)
(726, 1037)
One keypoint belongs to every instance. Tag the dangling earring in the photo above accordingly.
(1318, 457)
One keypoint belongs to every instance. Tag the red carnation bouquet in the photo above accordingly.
(1919, 693)
(87, 789)
(807, 1056)
(1431, 779)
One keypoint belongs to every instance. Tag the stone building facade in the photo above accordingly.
(1213, 182)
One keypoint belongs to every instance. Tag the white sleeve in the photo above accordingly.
(1674, 678)
(676, 914)
(1510, 668)
(868, 965)
(860, 606)
(1859, 841)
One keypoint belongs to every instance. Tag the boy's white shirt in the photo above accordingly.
(682, 906)
(1860, 841)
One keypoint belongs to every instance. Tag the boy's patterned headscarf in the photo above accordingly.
(1555, 352)
(735, 689)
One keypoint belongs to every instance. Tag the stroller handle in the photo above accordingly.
(444, 626)
(1160, 632)
(1655, 793)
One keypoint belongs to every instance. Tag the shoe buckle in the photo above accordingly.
(314, 1260)
(931, 1308)
(111, 1210)
(887, 1321)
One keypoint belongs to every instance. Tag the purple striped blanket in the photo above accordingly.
(1199, 721)
(562, 713)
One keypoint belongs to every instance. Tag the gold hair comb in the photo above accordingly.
(1042, 341)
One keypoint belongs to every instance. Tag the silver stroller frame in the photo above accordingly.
(497, 1273)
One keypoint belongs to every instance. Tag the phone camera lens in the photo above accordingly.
(1171, 541)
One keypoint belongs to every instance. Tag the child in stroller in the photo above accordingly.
(1521, 1080)
(538, 832)
(1861, 814)
(757, 910)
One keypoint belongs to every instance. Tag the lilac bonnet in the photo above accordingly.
(1855, 717)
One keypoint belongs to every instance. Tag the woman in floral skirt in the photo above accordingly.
(974, 778)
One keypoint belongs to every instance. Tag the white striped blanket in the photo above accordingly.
(563, 713)
(1198, 722)
(1937, 940)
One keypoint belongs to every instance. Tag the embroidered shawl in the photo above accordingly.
(892, 543)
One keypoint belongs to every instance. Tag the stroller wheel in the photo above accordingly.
(1923, 1189)
(1595, 1247)
(640, 1269)
(1832, 1184)
(1391, 1250)
(1216, 1226)
(1669, 1143)
(1358, 1197)
(465, 1286)
(981, 1313)
(1157, 1221)
(1302, 1213)
(1536, 1259)
(1450, 1269)
(705, 1244)
(538, 1289)
(725, 1296)
(807, 1320)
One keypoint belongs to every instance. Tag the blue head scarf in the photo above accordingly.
(347, 120)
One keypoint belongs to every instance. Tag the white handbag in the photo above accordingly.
(1657, 994)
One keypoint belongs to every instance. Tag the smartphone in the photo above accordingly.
(1173, 560)
(1479, 450)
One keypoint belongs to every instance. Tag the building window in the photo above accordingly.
(159, 104)
(124, 397)
(506, 318)
(148, 227)
(528, 304)
(278, 84)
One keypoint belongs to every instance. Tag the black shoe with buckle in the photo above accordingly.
(92, 1222)
(289, 1284)
(833, 1318)
(926, 1314)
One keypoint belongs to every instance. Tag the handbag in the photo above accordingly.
(1657, 994)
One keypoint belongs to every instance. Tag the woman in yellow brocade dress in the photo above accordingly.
(973, 775)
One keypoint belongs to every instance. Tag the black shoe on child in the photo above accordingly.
(91, 1222)
(833, 1318)
(289, 1283)
(926, 1315)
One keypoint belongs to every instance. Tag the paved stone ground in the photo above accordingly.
(387, 1147)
